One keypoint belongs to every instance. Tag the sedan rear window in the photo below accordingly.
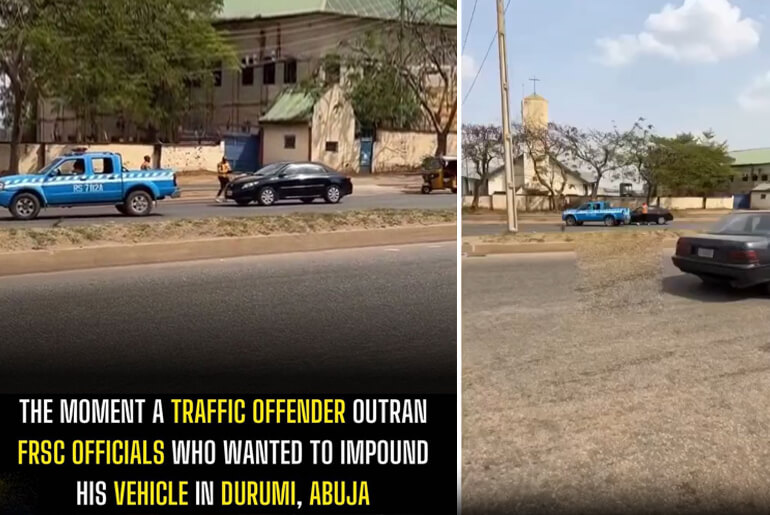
(744, 223)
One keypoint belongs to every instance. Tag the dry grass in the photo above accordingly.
(620, 237)
(15, 240)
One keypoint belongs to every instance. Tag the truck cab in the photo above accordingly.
(86, 178)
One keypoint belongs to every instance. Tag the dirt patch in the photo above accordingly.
(17, 240)
(622, 273)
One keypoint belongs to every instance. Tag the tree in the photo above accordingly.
(418, 52)
(381, 98)
(599, 150)
(155, 50)
(481, 145)
(640, 156)
(28, 47)
(693, 165)
(546, 146)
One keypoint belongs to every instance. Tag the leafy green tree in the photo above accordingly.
(692, 165)
(28, 50)
(148, 52)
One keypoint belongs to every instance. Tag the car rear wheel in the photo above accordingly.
(138, 203)
(25, 206)
(661, 220)
(307, 200)
(609, 221)
(333, 194)
(267, 196)
(571, 220)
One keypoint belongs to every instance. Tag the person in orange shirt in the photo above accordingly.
(223, 169)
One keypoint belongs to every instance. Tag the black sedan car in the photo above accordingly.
(735, 252)
(655, 215)
(283, 181)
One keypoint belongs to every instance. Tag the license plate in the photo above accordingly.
(706, 253)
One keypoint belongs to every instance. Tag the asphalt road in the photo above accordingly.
(208, 208)
(483, 229)
(593, 384)
(378, 319)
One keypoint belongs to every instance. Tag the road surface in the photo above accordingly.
(483, 229)
(592, 387)
(208, 208)
(378, 319)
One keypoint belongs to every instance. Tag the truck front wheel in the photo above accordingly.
(138, 203)
(609, 221)
(25, 206)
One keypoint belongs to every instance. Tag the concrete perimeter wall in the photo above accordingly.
(536, 203)
(177, 157)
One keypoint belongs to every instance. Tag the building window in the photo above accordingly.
(218, 74)
(331, 146)
(289, 141)
(763, 196)
(764, 176)
(290, 72)
(745, 178)
(247, 72)
(268, 73)
(754, 177)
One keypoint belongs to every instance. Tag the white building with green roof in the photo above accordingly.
(752, 168)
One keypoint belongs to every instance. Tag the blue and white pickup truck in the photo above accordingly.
(597, 212)
(86, 178)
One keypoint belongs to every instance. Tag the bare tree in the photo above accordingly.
(599, 150)
(482, 144)
(638, 155)
(546, 146)
(421, 49)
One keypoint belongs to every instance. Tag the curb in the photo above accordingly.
(485, 249)
(37, 261)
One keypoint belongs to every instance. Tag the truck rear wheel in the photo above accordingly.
(609, 221)
(138, 203)
(25, 206)
(571, 220)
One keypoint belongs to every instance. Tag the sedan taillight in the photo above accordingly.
(683, 248)
(743, 257)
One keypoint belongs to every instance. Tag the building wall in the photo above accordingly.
(405, 150)
(184, 158)
(28, 161)
(540, 202)
(132, 155)
(273, 143)
(747, 177)
(335, 121)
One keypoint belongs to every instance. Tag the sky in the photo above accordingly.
(683, 65)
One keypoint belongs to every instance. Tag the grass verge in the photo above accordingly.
(620, 238)
(16, 240)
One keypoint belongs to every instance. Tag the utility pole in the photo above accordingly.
(510, 183)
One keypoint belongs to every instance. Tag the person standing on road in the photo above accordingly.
(223, 169)
(146, 163)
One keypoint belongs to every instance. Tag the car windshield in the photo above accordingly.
(743, 223)
(271, 169)
(47, 168)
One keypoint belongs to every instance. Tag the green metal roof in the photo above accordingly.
(379, 9)
(290, 106)
(752, 156)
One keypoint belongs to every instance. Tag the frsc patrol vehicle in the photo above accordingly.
(86, 178)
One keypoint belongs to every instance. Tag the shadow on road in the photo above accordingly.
(692, 288)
